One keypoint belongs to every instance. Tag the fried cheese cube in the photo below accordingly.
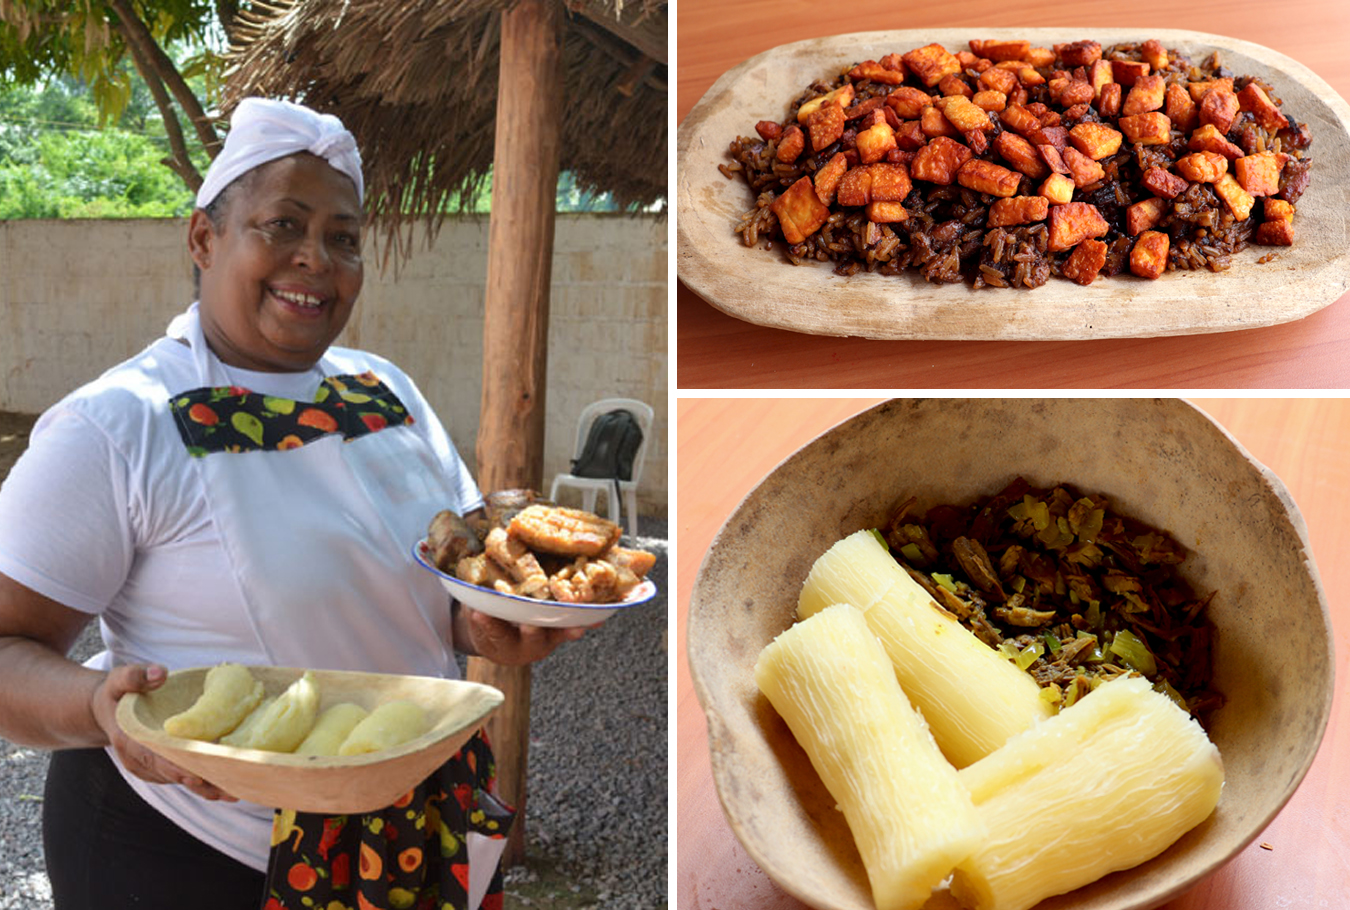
(826, 125)
(939, 160)
(1083, 170)
(1152, 51)
(964, 114)
(1254, 98)
(1018, 210)
(935, 123)
(1144, 215)
(987, 177)
(1100, 75)
(1108, 102)
(990, 100)
(1180, 108)
(1085, 262)
(1148, 259)
(1202, 167)
(769, 130)
(1127, 72)
(842, 96)
(930, 63)
(1147, 129)
(855, 187)
(890, 182)
(1238, 200)
(873, 71)
(1148, 93)
(874, 142)
(1259, 174)
(1057, 189)
(1072, 223)
(1072, 91)
(1278, 228)
(1096, 140)
(908, 102)
(791, 145)
(886, 212)
(1162, 182)
(1079, 53)
(998, 79)
(910, 136)
(998, 49)
(1219, 107)
(1199, 90)
(1021, 154)
(1207, 138)
(1041, 56)
(1019, 119)
(828, 177)
(954, 84)
(800, 211)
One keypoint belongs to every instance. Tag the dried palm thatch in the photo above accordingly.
(416, 82)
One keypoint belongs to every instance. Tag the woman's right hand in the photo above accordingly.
(135, 757)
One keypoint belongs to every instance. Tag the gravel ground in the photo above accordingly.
(597, 779)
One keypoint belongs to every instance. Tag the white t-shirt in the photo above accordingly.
(104, 513)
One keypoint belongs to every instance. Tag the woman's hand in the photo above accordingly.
(136, 758)
(508, 643)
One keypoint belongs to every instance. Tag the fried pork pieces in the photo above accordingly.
(543, 551)
(1005, 163)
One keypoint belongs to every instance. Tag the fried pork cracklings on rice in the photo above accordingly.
(536, 549)
(1005, 164)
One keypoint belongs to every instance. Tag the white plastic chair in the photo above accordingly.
(589, 486)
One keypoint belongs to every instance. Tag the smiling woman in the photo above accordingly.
(243, 491)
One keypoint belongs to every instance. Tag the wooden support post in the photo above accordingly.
(510, 447)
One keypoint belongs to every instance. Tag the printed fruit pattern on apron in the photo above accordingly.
(236, 419)
(412, 855)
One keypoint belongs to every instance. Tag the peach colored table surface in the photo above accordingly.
(727, 446)
(715, 350)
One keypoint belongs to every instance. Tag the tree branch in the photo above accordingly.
(139, 38)
(180, 162)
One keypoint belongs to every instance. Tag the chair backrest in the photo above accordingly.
(640, 409)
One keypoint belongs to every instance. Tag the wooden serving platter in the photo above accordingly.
(311, 783)
(762, 287)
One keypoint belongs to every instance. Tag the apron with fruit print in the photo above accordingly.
(318, 504)
(410, 855)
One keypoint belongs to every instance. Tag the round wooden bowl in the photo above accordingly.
(1161, 461)
(309, 783)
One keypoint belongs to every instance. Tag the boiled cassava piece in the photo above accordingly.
(1104, 785)
(244, 732)
(391, 724)
(332, 729)
(911, 818)
(229, 693)
(285, 722)
(973, 699)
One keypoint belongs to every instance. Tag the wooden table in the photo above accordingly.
(727, 446)
(715, 350)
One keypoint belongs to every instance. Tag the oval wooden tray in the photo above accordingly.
(761, 287)
(311, 783)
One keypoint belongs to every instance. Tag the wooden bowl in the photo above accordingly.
(1161, 461)
(309, 783)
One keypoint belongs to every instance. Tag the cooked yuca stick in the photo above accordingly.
(1105, 785)
(229, 693)
(285, 722)
(973, 698)
(911, 818)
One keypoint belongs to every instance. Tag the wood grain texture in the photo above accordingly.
(761, 287)
(718, 351)
(727, 446)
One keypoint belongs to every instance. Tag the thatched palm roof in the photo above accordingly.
(416, 82)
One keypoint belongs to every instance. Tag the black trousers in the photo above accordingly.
(108, 849)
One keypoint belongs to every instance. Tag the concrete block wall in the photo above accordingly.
(77, 297)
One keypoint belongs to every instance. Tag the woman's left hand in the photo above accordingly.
(507, 643)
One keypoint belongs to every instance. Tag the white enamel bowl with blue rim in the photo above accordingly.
(527, 610)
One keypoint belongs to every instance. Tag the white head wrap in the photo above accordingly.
(262, 130)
